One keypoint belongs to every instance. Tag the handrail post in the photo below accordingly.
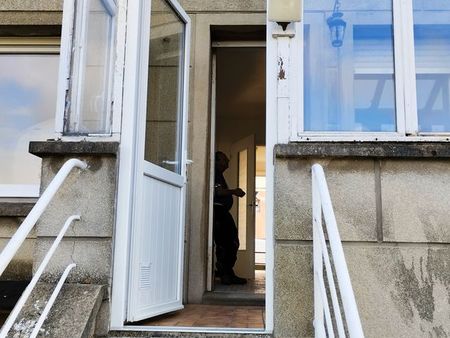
(52, 299)
(319, 325)
(22, 232)
(27, 292)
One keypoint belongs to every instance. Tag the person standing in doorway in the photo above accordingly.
(225, 231)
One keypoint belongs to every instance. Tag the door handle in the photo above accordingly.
(170, 162)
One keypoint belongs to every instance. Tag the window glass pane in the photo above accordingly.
(432, 51)
(27, 113)
(349, 66)
(164, 118)
(94, 106)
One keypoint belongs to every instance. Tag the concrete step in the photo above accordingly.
(140, 334)
(73, 314)
(233, 298)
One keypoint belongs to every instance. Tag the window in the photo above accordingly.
(378, 66)
(28, 77)
(86, 99)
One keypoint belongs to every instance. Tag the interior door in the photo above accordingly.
(156, 258)
(242, 165)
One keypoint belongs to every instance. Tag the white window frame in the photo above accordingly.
(405, 89)
(26, 46)
(72, 61)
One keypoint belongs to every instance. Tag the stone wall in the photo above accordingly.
(20, 267)
(31, 12)
(89, 193)
(392, 211)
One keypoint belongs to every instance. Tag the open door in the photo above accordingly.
(242, 165)
(156, 260)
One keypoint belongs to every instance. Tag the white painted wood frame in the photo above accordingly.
(72, 59)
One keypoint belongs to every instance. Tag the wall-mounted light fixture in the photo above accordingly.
(284, 12)
(337, 25)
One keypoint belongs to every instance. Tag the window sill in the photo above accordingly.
(364, 149)
(62, 148)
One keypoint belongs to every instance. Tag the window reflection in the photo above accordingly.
(432, 50)
(164, 106)
(349, 66)
(27, 108)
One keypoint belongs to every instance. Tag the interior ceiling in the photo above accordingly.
(241, 83)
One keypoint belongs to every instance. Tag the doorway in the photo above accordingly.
(238, 130)
(238, 111)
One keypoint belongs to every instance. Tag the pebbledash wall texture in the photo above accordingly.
(392, 203)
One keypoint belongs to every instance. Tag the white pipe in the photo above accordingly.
(22, 300)
(22, 232)
(50, 302)
(345, 286)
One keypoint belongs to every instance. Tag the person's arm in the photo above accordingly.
(220, 191)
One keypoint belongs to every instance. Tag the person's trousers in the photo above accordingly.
(226, 240)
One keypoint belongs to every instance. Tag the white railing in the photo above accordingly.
(21, 234)
(321, 204)
(30, 221)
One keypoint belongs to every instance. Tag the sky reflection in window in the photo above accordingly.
(27, 110)
(351, 87)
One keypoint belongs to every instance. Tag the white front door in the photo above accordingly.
(156, 260)
(242, 167)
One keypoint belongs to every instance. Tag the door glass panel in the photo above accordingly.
(349, 66)
(164, 105)
(432, 50)
(27, 104)
(242, 206)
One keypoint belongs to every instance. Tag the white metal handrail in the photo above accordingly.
(321, 203)
(27, 292)
(51, 300)
(22, 232)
